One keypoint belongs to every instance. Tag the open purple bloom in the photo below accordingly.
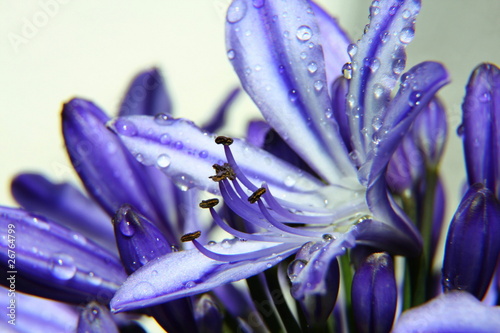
(283, 55)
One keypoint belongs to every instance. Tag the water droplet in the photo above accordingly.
(174, 248)
(290, 181)
(485, 97)
(303, 55)
(203, 154)
(352, 49)
(139, 158)
(293, 96)
(414, 98)
(236, 11)
(162, 119)
(328, 113)
(178, 145)
(378, 90)
(318, 85)
(125, 127)
(312, 67)
(375, 138)
(460, 130)
(126, 228)
(62, 266)
(165, 139)
(295, 268)
(304, 33)
(226, 243)
(406, 14)
(374, 10)
(258, 3)
(190, 284)
(211, 243)
(406, 35)
(154, 273)
(231, 54)
(94, 279)
(377, 123)
(327, 237)
(257, 68)
(143, 290)
(398, 66)
(367, 28)
(347, 70)
(374, 64)
(269, 265)
(163, 161)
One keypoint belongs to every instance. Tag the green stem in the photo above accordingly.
(347, 275)
(262, 302)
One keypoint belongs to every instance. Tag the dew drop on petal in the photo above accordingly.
(211, 243)
(293, 95)
(377, 123)
(398, 66)
(126, 228)
(94, 279)
(226, 244)
(162, 119)
(312, 67)
(163, 161)
(125, 127)
(165, 139)
(414, 98)
(485, 97)
(352, 49)
(203, 154)
(139, 158)
(236, 11)
(178, 145)
(393, 10)
(304, 33)
(295, 268)
(190, 284)
(318, 85)
(62, 266)
(406, 35)
(347, 70)
(327, 237)
(231, 54)
(406, 14)
(374, 64)
(290, 181)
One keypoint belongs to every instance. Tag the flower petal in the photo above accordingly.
(36, 315)
(378, 60)
(390, 229)
(418, 87)
(186, 154)
(146, 95)
(65, 204)
(110, 174)
(455, 311)
(96, 318)
(334, 41)
(275, 48)
(481, 127)
(56, 262)
(185, 273)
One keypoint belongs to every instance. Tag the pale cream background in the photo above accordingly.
(93, 48)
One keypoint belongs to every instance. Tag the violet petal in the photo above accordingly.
(272, 55)
(54, 257)
(96, 318)
(374, 294)
(456, 311)
(146, 95)
(481, 124)
(472, 247)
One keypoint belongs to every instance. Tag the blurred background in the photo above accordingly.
(53, 50)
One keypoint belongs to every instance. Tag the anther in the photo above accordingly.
(222, 172)
(210, 203)
(190, 236)
(256, 195)
(223, 140)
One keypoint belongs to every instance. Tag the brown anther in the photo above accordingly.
(223, 140)
(210, 203)
(256, 195)
(190, 236)
(222, 172)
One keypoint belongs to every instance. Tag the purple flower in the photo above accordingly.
(287, 57)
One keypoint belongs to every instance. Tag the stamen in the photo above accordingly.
(256, 195)
(223, 140)
(191, 236)
(259, 254)
(209, 203)
(222, 172)
(237, 171)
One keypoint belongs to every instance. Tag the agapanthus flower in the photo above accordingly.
(66, 247)
(287, 57)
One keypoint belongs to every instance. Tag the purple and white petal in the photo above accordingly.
(146, 95)
(186, 154)
(275, 48)
(456, 311)
(378, 60)
(190, 273)
(55, 262)
(418, 87)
